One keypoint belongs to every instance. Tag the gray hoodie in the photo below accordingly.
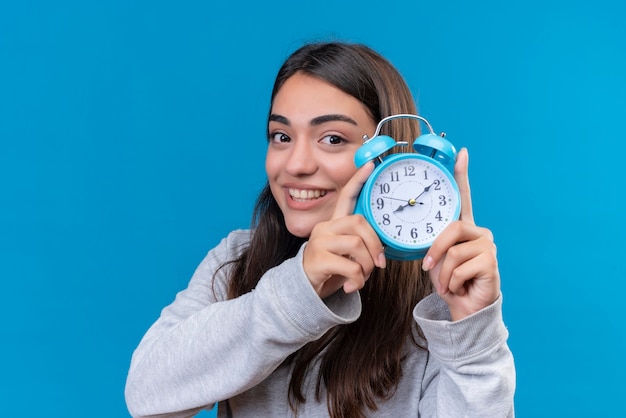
(205, 349)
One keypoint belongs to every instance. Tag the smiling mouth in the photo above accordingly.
(304, 195)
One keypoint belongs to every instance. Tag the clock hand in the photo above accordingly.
(401, 207)
(427, 188)
(394, 198)
(413, 202)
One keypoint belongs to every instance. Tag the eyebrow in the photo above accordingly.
(315, 121)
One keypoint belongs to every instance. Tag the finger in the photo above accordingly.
(454, 257)
(371, 241)
(354, 235)
(476, 268)
(454, 270)
(349, 273)
(328, 271)
(356, 279)
(350, 192)
(461, 176)
(354, 248)
(456, 232)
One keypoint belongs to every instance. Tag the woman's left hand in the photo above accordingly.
(462, 261)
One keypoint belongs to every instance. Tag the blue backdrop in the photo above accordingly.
(132, 140)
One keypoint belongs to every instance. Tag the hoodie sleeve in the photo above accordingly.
(470, 371)
(204, 348)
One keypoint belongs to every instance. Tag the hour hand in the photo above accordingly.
(411, 202)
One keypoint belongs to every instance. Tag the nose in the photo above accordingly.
(301, 159)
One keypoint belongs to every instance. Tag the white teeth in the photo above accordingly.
(298, 194)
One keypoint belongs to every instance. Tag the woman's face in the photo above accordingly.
(314, 131)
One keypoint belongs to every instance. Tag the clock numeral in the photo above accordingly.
(438, 216)
(409, 171)
(429, 226)
(437, 184)
(442, 200)
(384, 188)
(395, 176)
(425, 174)
(380, 203)
(386, 220)
(413, 232)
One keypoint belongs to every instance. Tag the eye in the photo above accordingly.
(333, 140)
(279, 137)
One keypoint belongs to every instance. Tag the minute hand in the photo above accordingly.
(413, 202)
(427, 188)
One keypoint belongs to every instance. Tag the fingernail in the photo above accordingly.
(427, 263)
(349, 287)
(382, 260)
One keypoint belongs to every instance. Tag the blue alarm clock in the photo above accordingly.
(410, 197)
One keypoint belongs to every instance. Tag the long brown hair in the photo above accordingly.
(360, 362)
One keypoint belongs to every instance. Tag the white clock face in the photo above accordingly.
(412, 201)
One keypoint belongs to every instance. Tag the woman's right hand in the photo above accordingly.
(343, 251)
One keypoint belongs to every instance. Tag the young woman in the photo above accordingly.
(302, 315)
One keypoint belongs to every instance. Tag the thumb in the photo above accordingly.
(350, 192)
(462, 179)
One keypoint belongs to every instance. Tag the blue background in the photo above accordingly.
(132, 140)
